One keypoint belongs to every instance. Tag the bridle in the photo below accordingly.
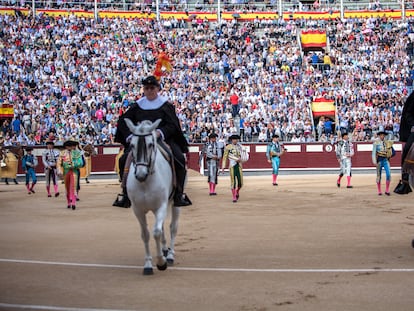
(143, 153)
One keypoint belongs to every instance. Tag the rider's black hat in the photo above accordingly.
(151, 80)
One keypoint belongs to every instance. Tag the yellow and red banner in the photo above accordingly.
(313, 38)
(229, 15)
(6, 111)
(323, 107)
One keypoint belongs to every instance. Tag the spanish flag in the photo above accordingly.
(6, 111)
(323, 107)
(313, 39)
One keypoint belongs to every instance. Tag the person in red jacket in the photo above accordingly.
(234, 100)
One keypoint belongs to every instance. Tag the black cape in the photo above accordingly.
(170, 125)
(407, 118)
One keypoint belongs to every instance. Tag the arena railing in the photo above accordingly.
(257, 6)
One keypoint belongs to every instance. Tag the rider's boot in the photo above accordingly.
(122, 200)
(180, 198)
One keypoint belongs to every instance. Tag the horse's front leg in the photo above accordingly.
(164, 242)
(145, 235)
(160, 215)
(173, 232)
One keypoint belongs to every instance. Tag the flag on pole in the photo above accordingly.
(323, 107)
(6, 111)
(313, 38)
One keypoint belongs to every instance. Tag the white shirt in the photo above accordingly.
(146, 104)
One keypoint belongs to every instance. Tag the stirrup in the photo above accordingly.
(122, 201)
(187, 198)
(182, 200)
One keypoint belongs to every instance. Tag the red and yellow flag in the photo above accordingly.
(6, 111)
(323, 107)
(313, 38)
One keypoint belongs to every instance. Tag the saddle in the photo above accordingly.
(166, 151)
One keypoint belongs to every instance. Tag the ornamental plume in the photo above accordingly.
(163, 62)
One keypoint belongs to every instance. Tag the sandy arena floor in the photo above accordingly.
(303, 245)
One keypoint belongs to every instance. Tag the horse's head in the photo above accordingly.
(89, 150)
(2, 157)
(16, 150)
(144, 147)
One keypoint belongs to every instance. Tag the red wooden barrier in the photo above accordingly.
(299, 156)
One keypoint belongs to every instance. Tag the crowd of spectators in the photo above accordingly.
(73, 76)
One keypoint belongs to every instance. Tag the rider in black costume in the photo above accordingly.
(153, 107)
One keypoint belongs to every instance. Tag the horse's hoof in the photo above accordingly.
(163, 267)
(170, 261)
(165, 252)
(148, 271)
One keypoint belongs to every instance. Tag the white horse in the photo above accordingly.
(150, 188)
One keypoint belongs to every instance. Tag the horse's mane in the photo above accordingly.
(143, 128)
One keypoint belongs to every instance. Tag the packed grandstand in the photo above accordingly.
(72, 76)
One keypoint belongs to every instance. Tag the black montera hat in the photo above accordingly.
(212, 135)
(343, 134)
(382, 132)
(275, 135)
(151, 80)
(70, 143)
(234, 136)
(29, 148)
